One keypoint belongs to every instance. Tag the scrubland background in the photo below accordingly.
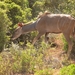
(20, 57)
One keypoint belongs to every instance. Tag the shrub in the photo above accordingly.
(4, 21)
(29, 60)
(65, 43)
(44, 72)
(68, 70)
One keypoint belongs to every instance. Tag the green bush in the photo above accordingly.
(68, 70)
(65, 43)
(30, 60)
(44, 72)
(4, 21)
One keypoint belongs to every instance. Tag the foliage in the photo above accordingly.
(27, 10)
(16, 11)
(37, 7)
(3, 5)
(65, 43)
(68, 70)
(44, 72)
(4, 21)
(17, 14)
(29, 60)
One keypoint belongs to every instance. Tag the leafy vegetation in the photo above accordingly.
(44, 72)
(27, 10)
(65, 44)
(4, 21)
(30, 60)
(68, 70)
